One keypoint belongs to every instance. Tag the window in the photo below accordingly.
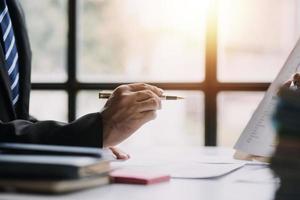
(133, 40)
(47, 26)
(54, 101)
(255, 36)
(220, 54)
(234, 112)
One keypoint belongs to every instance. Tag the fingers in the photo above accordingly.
(148, 116)
(296, 76)
(296, 80)
(144, 95)
(141, 90)
(120, 155)
(121, 90)
(142, 86)
(140, 101)
(293, 84)
(151, 104)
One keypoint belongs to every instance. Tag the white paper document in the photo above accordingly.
(258, 138)
(200, 170)
(190, 170)
(262, 175)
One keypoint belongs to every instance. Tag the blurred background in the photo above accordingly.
(220, 54)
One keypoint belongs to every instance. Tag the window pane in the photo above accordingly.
(255, 38)
(49, 105)
(134, 40)
(234, 111)
(178, 123)
(47, 26)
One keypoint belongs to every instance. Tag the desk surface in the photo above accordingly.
(227, 187)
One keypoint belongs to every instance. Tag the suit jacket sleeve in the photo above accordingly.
(84, 132)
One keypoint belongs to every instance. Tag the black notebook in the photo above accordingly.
(54, 162)
(51, 167)
(46, 168)
(36, 149)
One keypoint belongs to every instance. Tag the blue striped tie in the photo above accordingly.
(10, 51)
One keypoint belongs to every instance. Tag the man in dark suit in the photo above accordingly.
(128, 108)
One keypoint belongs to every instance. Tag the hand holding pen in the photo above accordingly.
(128, 108)
(107, 95)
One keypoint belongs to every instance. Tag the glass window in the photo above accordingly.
(47, 26)
(255, 38)
(234, 111)
(134, 40)
(178, 123)
(49, 105)
(161, 41)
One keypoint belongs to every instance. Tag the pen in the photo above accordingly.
(106, 95)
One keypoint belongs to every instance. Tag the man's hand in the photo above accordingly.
(128, 108)
(295, 80)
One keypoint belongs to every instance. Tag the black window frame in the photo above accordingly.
(211, 87)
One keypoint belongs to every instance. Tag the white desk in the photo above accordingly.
(226, 187)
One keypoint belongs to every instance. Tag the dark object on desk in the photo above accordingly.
(286, 159)
(35, 149)
(52, 169)
(53, 186)
(52, 174)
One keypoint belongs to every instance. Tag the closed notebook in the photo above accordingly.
(51, 167)
(53, 186)
(52, 150)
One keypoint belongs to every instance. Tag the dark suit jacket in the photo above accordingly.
(16, 125)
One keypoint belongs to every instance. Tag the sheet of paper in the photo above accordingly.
(200, 170)
(262, 175)
(258, 138)
(191, 170)
(209, 155)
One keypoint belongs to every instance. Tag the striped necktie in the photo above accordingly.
(10, 51)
